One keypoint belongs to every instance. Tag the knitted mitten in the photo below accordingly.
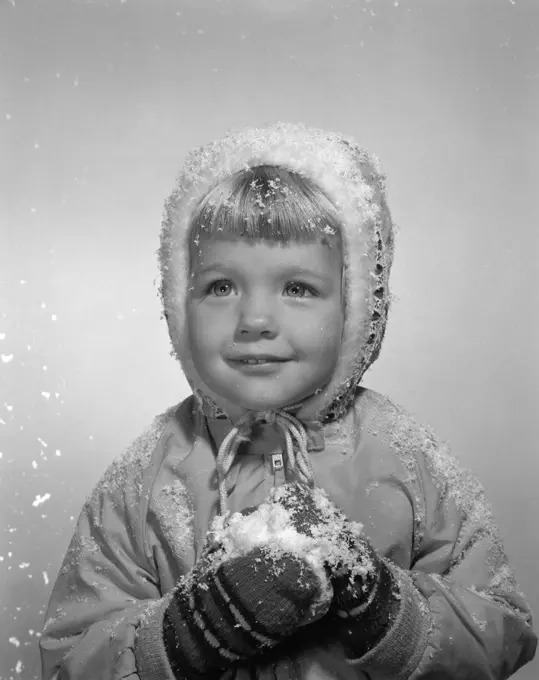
(225, 612)
(365, 602)
(366, 595)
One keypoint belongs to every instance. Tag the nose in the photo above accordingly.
(257, 318)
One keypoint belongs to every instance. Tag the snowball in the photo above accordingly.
(272, 526)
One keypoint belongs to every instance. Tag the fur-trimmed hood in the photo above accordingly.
(353, 181)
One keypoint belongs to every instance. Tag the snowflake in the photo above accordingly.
(41, 499)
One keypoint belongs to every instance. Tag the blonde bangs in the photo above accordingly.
(267, 203)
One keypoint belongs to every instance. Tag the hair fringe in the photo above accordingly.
(270, 203)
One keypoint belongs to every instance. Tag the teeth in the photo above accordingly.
(255, 361)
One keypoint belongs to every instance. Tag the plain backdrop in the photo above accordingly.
(99, 103)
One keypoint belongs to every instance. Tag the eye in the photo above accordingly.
(219, 288)
(298, 289)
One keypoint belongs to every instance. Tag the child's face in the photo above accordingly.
(260, 298)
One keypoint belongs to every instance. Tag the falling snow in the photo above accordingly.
(41, 499)
(40, 386)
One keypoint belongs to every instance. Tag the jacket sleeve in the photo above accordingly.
(461, 614)
(107, 588)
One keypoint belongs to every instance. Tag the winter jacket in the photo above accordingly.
(460, 615)
(144, 525)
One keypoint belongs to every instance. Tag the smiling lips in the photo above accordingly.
(258, 360)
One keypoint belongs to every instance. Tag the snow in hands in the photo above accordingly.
(296, 520)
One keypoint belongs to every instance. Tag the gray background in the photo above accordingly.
(99, 103)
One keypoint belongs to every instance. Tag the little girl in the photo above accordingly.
(283, 521)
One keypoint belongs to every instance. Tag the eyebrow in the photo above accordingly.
(288, 271)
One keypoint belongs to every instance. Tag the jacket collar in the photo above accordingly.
(219, 427)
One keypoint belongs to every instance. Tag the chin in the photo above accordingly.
(252, 394)
(263, 403)
(259, 404)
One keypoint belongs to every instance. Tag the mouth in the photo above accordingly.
(259, 362)
(260, 359)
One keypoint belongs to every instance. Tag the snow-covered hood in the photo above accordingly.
(353, 181)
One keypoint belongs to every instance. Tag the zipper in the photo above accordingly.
(277, 462)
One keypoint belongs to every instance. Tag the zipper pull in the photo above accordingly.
(277, 462)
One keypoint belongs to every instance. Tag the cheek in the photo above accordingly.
(200, 323)
(199, 335)
(322, 337)
(207, 329)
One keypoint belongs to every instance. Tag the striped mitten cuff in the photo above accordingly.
(222, 616)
